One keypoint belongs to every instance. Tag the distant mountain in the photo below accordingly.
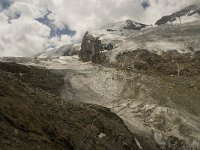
(125, 25)
(132, 25)
(188, 14)
(121, 28)
(66, 50)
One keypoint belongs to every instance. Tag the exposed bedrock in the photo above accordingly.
(132, 25)
(168, 63)
(92, 49)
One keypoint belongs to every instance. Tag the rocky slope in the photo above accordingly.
(161, 110)
(188, 14)
(33, 118)
(155, 81)
(149, 76)
(169, 49)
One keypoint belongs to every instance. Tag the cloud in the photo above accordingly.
(86, 15)
(22, 37)
(4, 4)
(22, 34)
(159, 8)
(83, 15)
(55, 31)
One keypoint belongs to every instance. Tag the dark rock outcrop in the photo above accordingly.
(132, 25)
(92, 49)
(110, 30)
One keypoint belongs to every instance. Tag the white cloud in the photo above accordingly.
(83, 15)
(25, 36)
(24, 9)
(59, 41)
(161, 8)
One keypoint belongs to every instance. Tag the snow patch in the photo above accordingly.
(102, 135)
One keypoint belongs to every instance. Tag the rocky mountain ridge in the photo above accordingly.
(188, 14)
(147, 75)
(163, 49)
(152, 57)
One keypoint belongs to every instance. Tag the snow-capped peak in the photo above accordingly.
(188, 14)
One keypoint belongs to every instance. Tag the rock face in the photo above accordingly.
(92, 49)
(33, 118)
(162, 50)
(188, 14)
(95, 45)
(132, 25)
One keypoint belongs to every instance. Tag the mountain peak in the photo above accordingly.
(188, 14)
(132, 25)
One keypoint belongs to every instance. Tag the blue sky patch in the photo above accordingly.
(145, 4)
(55, 31)
(5, 4)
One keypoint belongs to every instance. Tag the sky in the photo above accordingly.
(28, 27)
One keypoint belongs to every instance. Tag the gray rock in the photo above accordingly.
(92, 49)
(132, 25)
(188, 11)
